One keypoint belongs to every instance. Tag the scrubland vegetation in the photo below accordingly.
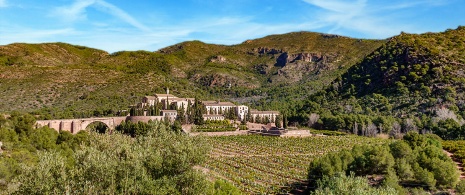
(407, 88)
(44, 161)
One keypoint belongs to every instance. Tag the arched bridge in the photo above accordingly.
(76, 125)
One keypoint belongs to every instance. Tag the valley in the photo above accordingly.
(386, 107)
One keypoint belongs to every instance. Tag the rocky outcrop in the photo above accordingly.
(295, 66)
(286, 58)
(218, 59)
(262, 68)
(266, 50)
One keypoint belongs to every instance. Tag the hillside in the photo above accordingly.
(412, 82)
(416, 72)
(73, 81)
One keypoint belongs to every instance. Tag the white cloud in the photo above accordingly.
(3, 3)
(77, 11)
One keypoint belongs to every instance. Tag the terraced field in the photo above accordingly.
(263, 165)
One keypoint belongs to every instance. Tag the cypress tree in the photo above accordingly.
(284, 121)
(198, 112)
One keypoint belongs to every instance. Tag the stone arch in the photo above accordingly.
(107, 122)
(99, 126)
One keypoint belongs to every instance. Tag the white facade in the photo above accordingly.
(170, 114)
(149, 100)
(216, 108)
(214, 117)
(263, 114)
(181, 102)
(242, 112)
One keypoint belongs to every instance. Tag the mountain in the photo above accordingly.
(410, 76)
(71, 81)
(413, 82)
(416, 72)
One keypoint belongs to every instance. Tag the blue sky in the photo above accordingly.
(115, 25)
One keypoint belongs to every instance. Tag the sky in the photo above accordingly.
(117, 25)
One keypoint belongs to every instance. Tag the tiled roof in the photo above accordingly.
(165, 95)
(169, 110)
(214, 103)
(212, 115)
(182, 99)
(150, 97)
(263, 112)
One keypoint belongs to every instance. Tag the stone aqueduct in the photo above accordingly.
(76, 125)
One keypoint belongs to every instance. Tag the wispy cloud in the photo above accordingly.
(410, 4)
(346, 15)
(372, 20)
(343, 12)
(3, 3)
(33, 35)
(77, 11)
(74, 12)
(119, 13)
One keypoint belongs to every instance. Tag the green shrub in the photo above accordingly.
(222, 187)
(342, 184)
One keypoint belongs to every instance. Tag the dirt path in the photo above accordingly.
(459, 164)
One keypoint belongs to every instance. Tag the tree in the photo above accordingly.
(342, 184)
(355, 129)
(312, 119)
(222, 187)
(371, 130)
(395, 130)
(284, 121)
(424, 176)
(258, 119)
(249, 117)
(266, 120)
(119, 164)
(409, 125)
(181, 117)
(404, 170)
(198, 112)
(278, 121)
(176, 127)
(190, 113)
(132, 111)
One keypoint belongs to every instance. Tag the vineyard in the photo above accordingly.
(263, 165)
